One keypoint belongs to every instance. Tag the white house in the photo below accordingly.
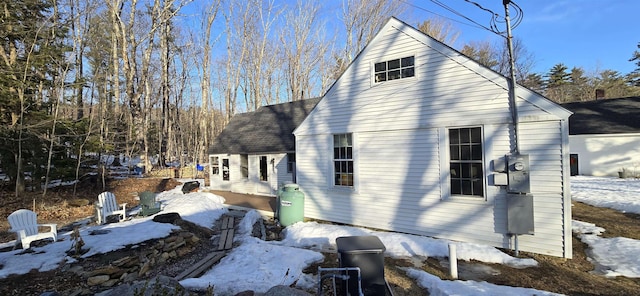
(255, 153)
(604, 136)
(413, 137)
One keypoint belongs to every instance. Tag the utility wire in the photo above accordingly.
(494, 23)
(440, 15)
(439, 3)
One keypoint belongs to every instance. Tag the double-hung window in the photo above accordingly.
(291, 162)
(394, 69)
(343, 160)
(215, 165)
(465, 163)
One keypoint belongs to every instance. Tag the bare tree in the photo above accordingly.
(440, 29)
(496, 57)
(362, 20)
(523, 59)
(80, 12)
(262, 54)
(136, 38)
(114, 8)
(482, 52)
(237, 19)
(206, 102)
(305, 51)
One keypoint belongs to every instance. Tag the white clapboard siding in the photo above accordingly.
(399, 129)
(283, 177)
(606, 154)
(276, 174)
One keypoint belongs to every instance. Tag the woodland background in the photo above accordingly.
(160, 79)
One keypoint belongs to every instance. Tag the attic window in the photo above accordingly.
(394, 69)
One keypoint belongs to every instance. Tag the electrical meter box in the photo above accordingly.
(520, 214)
(518, 173)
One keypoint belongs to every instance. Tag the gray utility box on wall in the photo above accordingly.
(520, 214)
(518, 173)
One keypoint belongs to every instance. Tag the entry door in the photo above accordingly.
(264, 174)
(225, 169)
(573, 161)
(224, 176)
(214, 171)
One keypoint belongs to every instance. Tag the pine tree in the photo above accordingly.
(634, 77)
(534, 82)
(613, 83)
(557, 83)
(31, 55)
(579, 88)
(558, 75)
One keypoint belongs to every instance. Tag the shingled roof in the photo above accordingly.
(266, 130)
(608, 116)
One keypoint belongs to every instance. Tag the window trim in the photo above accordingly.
(391, 58)
(446, 162)
(215, 165)
(290, 163)
(352, 160)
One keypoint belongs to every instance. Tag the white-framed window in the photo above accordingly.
(244, 166)
(394, 69)
(291, 162)
(343, 160)
(466, 161)
(215, 165)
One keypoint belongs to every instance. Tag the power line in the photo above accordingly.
(495, 17)
(440, 15)
(494, 22)
(439, 3)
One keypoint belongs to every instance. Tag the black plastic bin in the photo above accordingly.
(367, 253)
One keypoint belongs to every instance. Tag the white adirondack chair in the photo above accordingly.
(25, 224)
(108, 206)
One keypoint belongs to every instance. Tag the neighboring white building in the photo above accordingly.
(255, 153)
(604, 136)
(413, 137)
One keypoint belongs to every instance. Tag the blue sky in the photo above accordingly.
(592, 34)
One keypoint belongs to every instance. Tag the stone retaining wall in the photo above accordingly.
(131, 268)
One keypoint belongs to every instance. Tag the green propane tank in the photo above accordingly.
(290, 205)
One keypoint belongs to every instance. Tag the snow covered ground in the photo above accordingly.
(616, 256)
(259, 265)
(614, 193)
